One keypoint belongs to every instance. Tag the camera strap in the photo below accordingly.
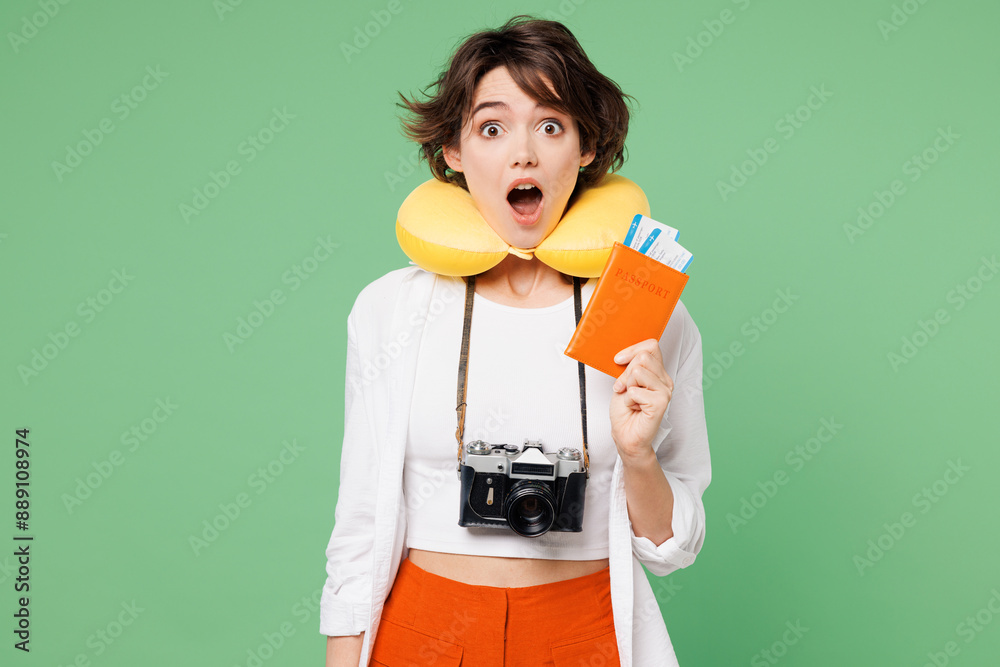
(463, 368)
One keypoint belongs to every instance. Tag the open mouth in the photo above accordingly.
(526, 200)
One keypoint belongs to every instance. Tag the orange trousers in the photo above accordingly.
(432, 620)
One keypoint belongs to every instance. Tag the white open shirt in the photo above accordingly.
(367, 543)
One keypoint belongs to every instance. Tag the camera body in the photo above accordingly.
(521, 488)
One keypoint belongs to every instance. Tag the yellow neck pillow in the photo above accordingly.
(442, 231)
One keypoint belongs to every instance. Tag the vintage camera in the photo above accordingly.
(522, 488)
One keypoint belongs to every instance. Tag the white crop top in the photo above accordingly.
(520, 385)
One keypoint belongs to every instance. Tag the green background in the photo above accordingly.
(339, 169)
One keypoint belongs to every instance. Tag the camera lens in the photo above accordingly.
(530, 508)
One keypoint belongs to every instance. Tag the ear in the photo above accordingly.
(452, 157)
(587, 158)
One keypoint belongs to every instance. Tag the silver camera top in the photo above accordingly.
(527, 462)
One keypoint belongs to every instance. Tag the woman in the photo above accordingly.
(524, 122)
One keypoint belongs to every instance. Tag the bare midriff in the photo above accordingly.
(500, 571)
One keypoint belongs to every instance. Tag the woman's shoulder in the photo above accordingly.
(378, 296)
(681, 335)
(682, 318)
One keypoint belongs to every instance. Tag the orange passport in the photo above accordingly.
(633, 301)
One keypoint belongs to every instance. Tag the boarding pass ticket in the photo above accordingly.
(657, 241)
(641, 227)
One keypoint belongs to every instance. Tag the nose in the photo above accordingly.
(522, 150)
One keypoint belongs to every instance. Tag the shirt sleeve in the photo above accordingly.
(347, 593)
(683, 456)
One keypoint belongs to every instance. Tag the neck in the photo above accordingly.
(521, 278)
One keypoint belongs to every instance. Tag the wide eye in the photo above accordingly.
(489, 130)
(552, 127)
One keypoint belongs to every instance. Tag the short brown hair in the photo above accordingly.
(528, 48)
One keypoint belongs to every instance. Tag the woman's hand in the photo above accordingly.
(640, 399)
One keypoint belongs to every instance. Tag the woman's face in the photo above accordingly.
(508, 140)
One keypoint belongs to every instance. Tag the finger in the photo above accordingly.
(648, 359)
(652, 363)
(641, 398)
(639, 376)
(625, 356)
(643, 376)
